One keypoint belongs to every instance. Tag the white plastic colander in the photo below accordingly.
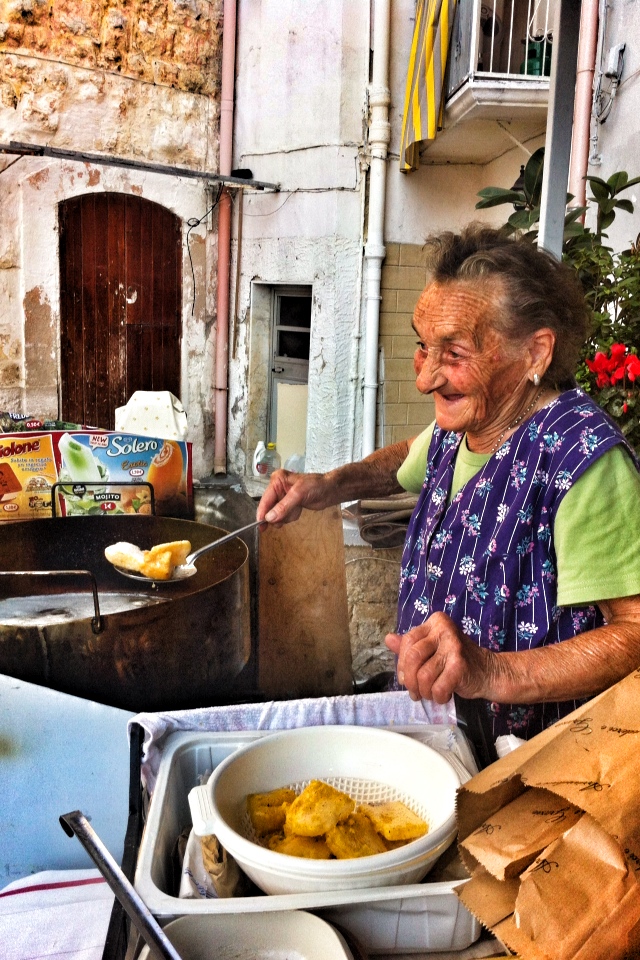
(370, 764)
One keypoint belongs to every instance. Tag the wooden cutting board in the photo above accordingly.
(303, 625)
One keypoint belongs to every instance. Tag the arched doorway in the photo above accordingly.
(120, 303)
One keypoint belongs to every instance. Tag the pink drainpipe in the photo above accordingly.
(587, 47)
(224, 237)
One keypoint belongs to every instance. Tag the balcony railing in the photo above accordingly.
(500, 39)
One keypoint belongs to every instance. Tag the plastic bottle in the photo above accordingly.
(269, 461)
(257, 457)
(295, 463)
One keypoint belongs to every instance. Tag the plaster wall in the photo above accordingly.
(616, 143)
(323, 256)
(302, 71)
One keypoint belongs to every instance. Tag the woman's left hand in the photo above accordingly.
(436, 660)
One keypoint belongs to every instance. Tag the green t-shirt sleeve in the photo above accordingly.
(413, 469)
(597, 533)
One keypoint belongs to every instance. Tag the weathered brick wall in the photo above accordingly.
(136, 78)
(172, 43)
(403, 410)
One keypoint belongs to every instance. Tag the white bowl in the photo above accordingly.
(264, 936)
(368, 763)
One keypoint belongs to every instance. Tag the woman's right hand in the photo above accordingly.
(288, 493)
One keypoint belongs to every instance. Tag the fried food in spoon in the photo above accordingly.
(158, 563)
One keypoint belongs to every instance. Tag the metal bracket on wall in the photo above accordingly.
(38, 150)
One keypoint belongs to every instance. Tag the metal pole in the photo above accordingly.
(557, 153)
(40, 150)
(142, 918)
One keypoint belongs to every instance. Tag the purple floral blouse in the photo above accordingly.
(487, 558)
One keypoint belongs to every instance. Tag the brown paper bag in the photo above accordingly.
(551, 836)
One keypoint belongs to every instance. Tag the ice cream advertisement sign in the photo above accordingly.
(27, 474)
(98, 473)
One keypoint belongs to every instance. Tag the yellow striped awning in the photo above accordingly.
(424, 101)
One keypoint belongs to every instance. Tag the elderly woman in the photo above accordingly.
(520, 580)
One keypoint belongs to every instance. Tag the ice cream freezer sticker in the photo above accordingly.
(93, 473)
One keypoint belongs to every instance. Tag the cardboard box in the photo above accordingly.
(80, 472)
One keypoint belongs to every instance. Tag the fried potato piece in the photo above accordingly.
(355, 837)
(394, 820)
(160, 561)
(312, 848)
(317, 809)
(268, 811)
(178, 550)
(394, 844)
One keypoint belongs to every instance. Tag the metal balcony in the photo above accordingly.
(497, 83)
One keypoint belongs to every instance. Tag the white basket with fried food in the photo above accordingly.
(369, 765)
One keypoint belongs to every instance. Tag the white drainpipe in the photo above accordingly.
(374, 251)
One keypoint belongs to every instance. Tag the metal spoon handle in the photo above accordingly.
(142, 918)
(216, 543)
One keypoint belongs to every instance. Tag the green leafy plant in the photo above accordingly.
(611, 283)
(526, 202)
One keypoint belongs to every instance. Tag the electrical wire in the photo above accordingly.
(4, 169)
(192, 224)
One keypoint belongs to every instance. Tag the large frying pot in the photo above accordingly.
(90, 632)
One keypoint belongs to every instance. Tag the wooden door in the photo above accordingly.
(120, 303)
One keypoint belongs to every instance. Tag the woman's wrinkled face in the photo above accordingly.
(474, 373)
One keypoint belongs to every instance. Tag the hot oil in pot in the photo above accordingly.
(51, 608)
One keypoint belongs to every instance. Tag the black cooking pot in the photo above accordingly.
(69, 621)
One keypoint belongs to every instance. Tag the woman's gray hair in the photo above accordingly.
(536, 290)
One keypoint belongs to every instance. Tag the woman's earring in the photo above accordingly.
(536, 379)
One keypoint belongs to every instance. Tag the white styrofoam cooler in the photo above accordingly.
(421, 917)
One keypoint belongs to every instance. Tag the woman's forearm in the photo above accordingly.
(375, 476)
(580, 667)
(289, 493)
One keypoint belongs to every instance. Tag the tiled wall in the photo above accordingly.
(402, 412)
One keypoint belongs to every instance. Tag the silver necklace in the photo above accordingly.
(517, 420)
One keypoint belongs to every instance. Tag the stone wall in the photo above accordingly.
(134, 78)
(372, 594)
(174, 44)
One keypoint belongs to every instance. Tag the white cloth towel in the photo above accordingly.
(55, 915)
(153, 415)
(385, 709)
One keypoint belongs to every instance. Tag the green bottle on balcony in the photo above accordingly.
(538, 59)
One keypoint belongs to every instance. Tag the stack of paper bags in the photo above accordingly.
(551, 836)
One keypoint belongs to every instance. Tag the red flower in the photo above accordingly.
(601, 365)
(633, 367)
(611, 368)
